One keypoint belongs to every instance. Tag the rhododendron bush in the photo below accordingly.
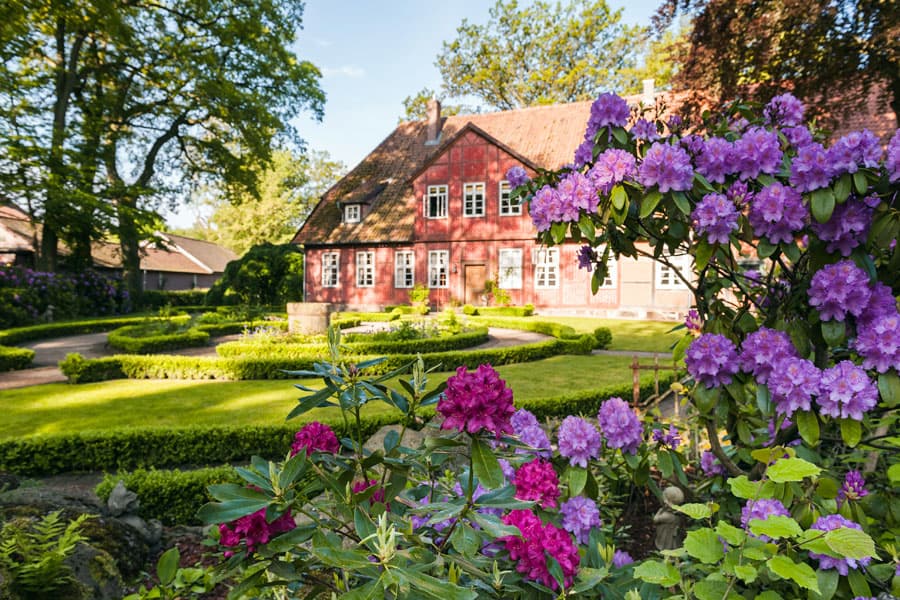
(790, 355)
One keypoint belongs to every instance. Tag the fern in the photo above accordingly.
(33, 553)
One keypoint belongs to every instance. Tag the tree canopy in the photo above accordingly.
(825, 51)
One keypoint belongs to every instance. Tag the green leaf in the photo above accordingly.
(833, 332)
(439, 589)
(215, 512)
(653, 571)
(558, 232)
(586, 225)
(800, 573)
(703, 253)
(649, 203)
(714, 587)
(619, 197)
(167, 566)
(889, 388)
(743, 487)
(792, 469)
(851, 432)
(577, 479)
(850, 543)
(746, 573)
(808, 424)
(858, 583)
(842, 188)
(769, 595)
(487, 467)
(374, 590)
(681, 347)
(894, 474)
(465, 540)
(310, 402)
(776, 527)
(706, 398)
(682, 203)
(696, 510)
(822, 204)
(860, 183)
(704, 545)
(731, 534)
(620, 135)
(765, 248)
(493, 525)
(791, 250)
(664, 462)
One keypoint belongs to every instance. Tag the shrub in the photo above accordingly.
(504, 311)
(267, 274)
(49, 330)
(419, 294)
(139, 339)
(77, 369)
(603, 335)
(401, 309)
(175, 298)
(345, 323)
(170, 496)
(365, 316)
(470, 310)
(545, 327)
(15, 358)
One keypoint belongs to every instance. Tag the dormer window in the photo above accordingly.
(352, 213)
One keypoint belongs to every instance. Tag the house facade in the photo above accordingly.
(430, 206)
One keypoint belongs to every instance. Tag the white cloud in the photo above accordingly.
(343, 71)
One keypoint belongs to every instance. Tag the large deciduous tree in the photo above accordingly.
(542, 53)
(823, 50)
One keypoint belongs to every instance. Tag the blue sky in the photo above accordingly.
(373, 54)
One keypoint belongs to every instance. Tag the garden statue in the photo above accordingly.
(668, 523)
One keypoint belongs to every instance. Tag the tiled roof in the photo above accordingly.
(211, 255)
(172, 259)
(545, 135)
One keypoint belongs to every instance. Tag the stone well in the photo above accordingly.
(308, 318)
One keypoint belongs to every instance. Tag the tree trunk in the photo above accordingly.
(129, 244)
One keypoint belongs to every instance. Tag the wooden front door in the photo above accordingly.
(475, 278)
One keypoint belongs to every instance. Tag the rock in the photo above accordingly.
(151, 532)
(8, 481)
(122, 501)
(96, 573)
(411, 438)
(122, 541)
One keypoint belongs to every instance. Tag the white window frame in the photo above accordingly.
(509, 269)
(438, 268)
(665, 279)
(546, 268)
(440, 193)
(404, 269)
(365, 268)
(331, 269)
(471, 201)
(352, 213)
(507, 208)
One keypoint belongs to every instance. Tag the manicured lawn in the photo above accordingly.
(58, 408)
(645, 336)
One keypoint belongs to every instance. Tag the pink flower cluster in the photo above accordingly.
(315, 437)
(361, 486)
(254, 530)
(539, 539)
(536, 480)
(477, 401)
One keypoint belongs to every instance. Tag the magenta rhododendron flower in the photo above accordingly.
(620, 426)
(530, 549)
(536, 480)
(843, 565)
(254, 530)
(315, 437)
(477, 401)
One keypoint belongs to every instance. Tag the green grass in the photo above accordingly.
(628, 335)
(57, 408)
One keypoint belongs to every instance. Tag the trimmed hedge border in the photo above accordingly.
(288, 350)
(49, 330)
(173, 298)
(171, 447)
(545, 327)
(12, 359)
(124, 340)
(365, 316)
(160, 366)
(499, 311)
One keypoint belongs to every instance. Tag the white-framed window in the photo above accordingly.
(352, 213)
(404, 269)
(546, 267)
(438, 262)
(331, 269)
(436, 202)
(508, 207)
(473, 199)
(509, 273)
(668, 279)
(365, 268)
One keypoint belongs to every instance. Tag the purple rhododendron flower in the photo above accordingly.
(778, 213)
(878, 342)
(712, 359)
(762, 349)
(843, 565)
(530, 549)
(535, 437)
(839, 289)
(517, 176)
(644, 130)
(739, 193)
(853, 488)
(881, 303)
(784, 109)
(536, 480)
(671, 439)
(846, 392)
(710, 465)
(621, 559)
(692, 322)
(715, 216)
(315, 437)
(579, 516)
(477, 401)
(607, 109)
(693, 143)
(523, 418)
(584, 153)
(577, 193)
(613, 166)
(892, 162)
(792, 383)
(578, 440)
(715, 161)
(758, 151)
(811, 169)
(762, 509)
(848, 226)
(544, 208)
(798, 136)
(620, 426)
(586, 257)
(854, 150)
(668, 167)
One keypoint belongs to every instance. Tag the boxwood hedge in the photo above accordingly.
(15, 358)
(545, 327)
(129, 339)
(17, 335)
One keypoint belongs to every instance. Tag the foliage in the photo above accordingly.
(499, 296)
(12, 359)
(147, 339)
(748, 48)
(266, 275)
(603, 337)
(32, 552)
(542, 53)
(415, 106)
(176, 298)
(367, 316)
(170, 496)
(176, 581)
(556, 330)
(419, 294)
(499, 311)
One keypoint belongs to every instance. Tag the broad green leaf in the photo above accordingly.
(842, 188)
(703, 253)
(850, 543)
(731, 534)
(681, 347)
(343, 559)
(860, 183)
(465, 540)
(827, 487)
(487, 468)
(586, 225)
(653, 571)
(588, 578)
(776, 527)
(493, 525)
(822, 204)
(894, 474)
(664, 462)
(619, 197)
(858, 583)
(577, 479)
(168, 565)
(746, 573)
(889, 388)
(374, 590)
(558, 232)
(792, 469)
(696, 510)
(765, 248)
(215, 512)
(704, 545)
(706, 398)
(310, 402)
(682, 203)
(828, 583)
(769, 595)
(808, 424)
(743, 487)
(800, 573)
(439, 589)
(833, 332)
(851, 431)
(649, 203)
(711, 588)
(620, 135)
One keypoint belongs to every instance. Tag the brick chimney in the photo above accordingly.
(433, 117)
